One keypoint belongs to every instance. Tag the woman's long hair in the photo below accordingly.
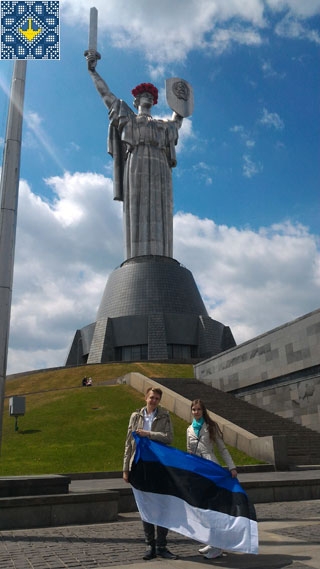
(213, 427)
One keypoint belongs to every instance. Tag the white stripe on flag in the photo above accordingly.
(207, 526)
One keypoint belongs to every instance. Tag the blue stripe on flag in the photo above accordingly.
(151, 451)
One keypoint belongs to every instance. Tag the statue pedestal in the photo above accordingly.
(151, 309)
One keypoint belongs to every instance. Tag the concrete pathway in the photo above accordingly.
(289, 536)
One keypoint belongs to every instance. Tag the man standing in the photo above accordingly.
(151, 421)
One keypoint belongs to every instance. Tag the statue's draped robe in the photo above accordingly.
(143, 149)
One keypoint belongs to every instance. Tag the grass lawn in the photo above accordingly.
(68, 428)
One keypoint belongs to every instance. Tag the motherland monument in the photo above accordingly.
(151, 308)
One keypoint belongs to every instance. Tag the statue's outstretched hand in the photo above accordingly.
(92, 59)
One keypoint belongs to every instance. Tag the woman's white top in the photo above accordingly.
(203, 446)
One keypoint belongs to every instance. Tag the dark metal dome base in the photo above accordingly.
(151, 309)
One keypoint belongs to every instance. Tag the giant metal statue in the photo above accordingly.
(151, 308)
(143, 150)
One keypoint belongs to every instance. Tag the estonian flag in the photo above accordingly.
(192, 496)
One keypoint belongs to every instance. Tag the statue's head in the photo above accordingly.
(144, 88)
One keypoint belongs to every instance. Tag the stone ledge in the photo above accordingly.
(58, 510)
(11, 486)
(290, 491)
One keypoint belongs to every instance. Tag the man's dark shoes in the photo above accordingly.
(165, 553)
(150, 553)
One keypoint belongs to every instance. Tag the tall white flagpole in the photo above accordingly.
(9, 187)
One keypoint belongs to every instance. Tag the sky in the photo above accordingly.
(246, 186)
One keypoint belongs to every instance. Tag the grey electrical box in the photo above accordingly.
(17, 405)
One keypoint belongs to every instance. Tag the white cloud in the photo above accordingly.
(250, 10)
(134, 26)
(35, 359)
(204, 172)
(65, 250)
(251, 281)
(292, 28)
(271, 120)
(224, 38)
(249, 167)
(186, 135)
(269, 71)
(237, 128)
(299, 8)
(245, 136)
(193, 24)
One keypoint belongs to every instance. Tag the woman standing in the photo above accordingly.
(202, 435)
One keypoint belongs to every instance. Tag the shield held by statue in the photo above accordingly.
(180, 96)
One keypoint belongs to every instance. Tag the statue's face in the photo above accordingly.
(146, 99)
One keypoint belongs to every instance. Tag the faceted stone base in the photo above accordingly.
(151, 309)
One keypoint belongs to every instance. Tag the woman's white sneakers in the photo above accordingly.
(210, 552)
(205, 549)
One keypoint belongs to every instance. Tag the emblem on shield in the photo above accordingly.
(180, 96)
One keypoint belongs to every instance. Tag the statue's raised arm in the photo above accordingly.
(92, 58)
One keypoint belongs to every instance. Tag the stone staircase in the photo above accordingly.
(303, 444)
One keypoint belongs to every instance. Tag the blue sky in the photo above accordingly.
(246, 188)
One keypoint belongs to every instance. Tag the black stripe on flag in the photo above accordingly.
(196, 490)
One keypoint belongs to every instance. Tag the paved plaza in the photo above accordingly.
(289, 535)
